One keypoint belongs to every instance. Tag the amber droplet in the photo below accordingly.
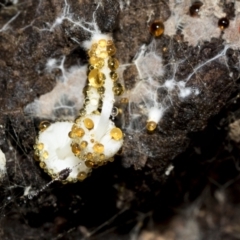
(98, 148)
(44, 125)
(118, 89)
(102, 157)
(151, 126)
(157, 28)
(36, 157)
(111, 49)
(88, 123)
(116, 134)
(89, 156)
(96, 78)
(40, 146)
(77, 132)
(42, 164)
(76, 149)
(83, 144)
(114, 76)
(45, 155)
(81, 176)
(194, 9)
(96, 62)
(101, 90)
(113, 63)
(89, 164)
(82, 112)
(102, 43)
(223, 23)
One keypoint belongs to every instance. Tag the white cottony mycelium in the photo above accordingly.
(93, 139)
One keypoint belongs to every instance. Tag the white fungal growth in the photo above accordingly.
(93, 139)
(2, 164)
(54, 150)
(195, 29)
(65, 99)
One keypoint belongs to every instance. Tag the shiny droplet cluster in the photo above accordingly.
(92, 139)
(102, 68)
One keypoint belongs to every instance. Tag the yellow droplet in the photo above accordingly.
(44, 125)
(101, 90)
(102, 157)
(42, 164)
(40, 146)
(118, 89)
(71, 135)
(103, 54)
(114, 76)
(102, 43)
(88, 123)
(45, 155)
(96, 62)
(36, 158)
(82, 112)
(92, 140)
(151, 126)
(113, 63)
(81, 176)
(116, 134)
(89, 164)
(96, 78)
(98, 148)
(111, 49)
(77, 132)
(76, 149)
(89, 156)
(83, 144)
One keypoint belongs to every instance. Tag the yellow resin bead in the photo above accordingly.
(151, 126)
(116, 134)
(98, 148)
(102, 43)
(113, 63)
(96, 78)
(96, 62)
(83, 144)
(42, 164)
(89, 164)
(111, 49)
(81, 176)
(76, 148)
(89, 156)
(45, 155)
(118, 89)
(102, 157)
(44, 125)
(40, 146)
(114, 76)
(88, 123)
(77, 132)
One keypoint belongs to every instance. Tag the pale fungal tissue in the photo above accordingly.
(2, 164)
(93, 139)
